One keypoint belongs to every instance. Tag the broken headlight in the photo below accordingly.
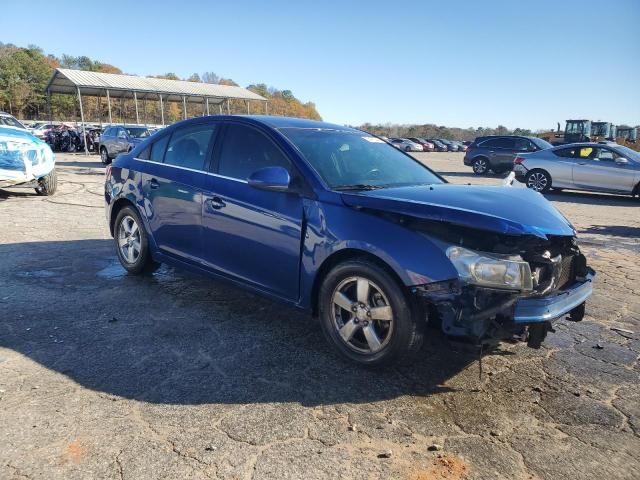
(488, 270)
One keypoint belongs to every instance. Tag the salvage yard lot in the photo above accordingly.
(103, 375)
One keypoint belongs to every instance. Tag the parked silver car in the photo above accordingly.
(602, 167)
(406, 145)
(120, 139)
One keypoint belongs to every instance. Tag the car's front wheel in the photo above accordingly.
(131, 242)
(48, 184)
(539, 180)
(365, 314)
(480, 166)
(104, 156)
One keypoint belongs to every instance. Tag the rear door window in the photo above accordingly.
(189, 146)
(566, 152)
(158, 148)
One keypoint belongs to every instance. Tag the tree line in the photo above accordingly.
(24, 73)
(435, 131)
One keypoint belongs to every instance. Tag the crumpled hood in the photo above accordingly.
(506, 210)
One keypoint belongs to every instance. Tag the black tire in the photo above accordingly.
(538, 180)
(104, 156)
(402, 341)
(407, 149)
(143, 263)
(481, 166)
(48, 184)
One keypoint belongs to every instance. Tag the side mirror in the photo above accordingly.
(275, 179)
(620, 161)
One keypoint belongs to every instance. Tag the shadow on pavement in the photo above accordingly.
(177, 338)
(81, 164)
(591, 198)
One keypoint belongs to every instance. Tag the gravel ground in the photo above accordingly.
(103, 375)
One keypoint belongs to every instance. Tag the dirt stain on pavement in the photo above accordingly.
(74, 453)
(444, 466)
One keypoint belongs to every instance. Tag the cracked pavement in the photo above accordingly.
(103, 375)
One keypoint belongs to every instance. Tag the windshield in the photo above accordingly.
(138, 132)
(540, 143)
(348, 158)
(628, 153)
(10, 121)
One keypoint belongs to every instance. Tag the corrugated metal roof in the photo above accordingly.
(66, 80)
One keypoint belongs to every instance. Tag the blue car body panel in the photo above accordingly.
(276, 243)
(503, 210)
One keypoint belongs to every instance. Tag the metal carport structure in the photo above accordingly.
(111, 85)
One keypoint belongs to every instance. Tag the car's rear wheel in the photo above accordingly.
(366, 316)
(48, 184)
(539, 180)
(104, 156)
(131, 241)
(480, 166)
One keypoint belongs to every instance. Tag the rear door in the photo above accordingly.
(500, 152)
(173, 186)
(596, 169)
(252, 235)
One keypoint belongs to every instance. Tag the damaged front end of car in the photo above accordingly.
(509, 287)
(516, 257)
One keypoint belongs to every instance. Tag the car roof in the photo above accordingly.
(291, 122)
(587, 144)
(528, 137)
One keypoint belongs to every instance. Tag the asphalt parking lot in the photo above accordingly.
(103, 375)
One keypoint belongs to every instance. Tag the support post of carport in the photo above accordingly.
(228, 107)
(184, 106)
(247, 102)
(161, 110)
(49, 106)
(220, 107)
(109, 107)
(135, 100)
(266, 108)
(84, 134)
(207, 102)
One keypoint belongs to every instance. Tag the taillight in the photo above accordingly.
(518, 160)
(107, 172)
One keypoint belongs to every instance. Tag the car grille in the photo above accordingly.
(566, 274)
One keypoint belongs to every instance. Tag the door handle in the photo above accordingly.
(215, 203)
(153, 183)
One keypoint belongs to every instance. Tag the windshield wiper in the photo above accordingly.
(358, 186)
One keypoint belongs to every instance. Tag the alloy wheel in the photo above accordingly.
(103, 156)
(537, 181)
(362, 315)
(480, 166)
(129, 240)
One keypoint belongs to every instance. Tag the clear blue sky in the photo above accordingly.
(455, 63)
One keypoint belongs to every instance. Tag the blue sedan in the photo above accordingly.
(339, 223)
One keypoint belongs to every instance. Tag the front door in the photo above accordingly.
(249, 234)
(596, 169)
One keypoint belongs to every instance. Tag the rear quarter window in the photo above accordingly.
(158, 148)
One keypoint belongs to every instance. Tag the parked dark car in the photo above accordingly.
(439, 146)
(341, 224)
(120, 139)
(448, 144)
(496, 153)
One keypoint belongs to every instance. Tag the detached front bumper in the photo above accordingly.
(544, 309)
